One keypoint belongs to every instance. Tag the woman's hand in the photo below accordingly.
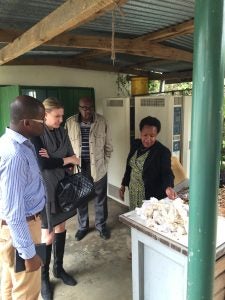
(43, 153)
(71, 160)
(171, 194)
(75, 160)
(121, 192)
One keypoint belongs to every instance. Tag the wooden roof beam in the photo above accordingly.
(69, 15)
(129, 46)
(161, 51)
(9, 35)
(74, 63)
(102, 45)
(168, 33)
(92, 53)
(69, 40)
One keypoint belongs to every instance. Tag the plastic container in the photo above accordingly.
(139, 86)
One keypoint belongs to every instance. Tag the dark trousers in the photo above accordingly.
(100, 200)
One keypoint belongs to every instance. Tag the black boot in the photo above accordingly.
(46, 289)
(58, 250)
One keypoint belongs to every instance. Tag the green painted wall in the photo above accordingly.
(7, 95)
(69, 96)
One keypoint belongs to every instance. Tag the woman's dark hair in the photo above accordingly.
(150, 121)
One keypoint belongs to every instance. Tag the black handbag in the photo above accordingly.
(74, 190)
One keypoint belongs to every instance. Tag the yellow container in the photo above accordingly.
(139, 86)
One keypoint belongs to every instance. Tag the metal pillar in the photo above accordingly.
(208, 81)
(162, 86)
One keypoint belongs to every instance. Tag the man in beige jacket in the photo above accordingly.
(91, 140)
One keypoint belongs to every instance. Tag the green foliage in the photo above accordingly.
(153, 86)
(123, 85)
(185, 87)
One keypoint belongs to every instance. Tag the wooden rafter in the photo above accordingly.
(161, 51)
(92, 53)
(168, 33)
(102, 45)
(149, 63)
(74, 63)
(160, 35)
(8, 35)
(69, 15)
(69, 40)
(144, 48)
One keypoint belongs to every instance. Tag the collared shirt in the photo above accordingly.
(85, 131)
(22, 192)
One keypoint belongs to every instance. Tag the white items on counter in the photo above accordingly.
(159, 261)
(168, 216)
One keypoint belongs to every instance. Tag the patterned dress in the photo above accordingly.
(136, 186)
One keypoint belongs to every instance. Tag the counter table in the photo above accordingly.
(159, 262)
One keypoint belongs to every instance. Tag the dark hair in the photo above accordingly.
(150, 121)
(24, 107)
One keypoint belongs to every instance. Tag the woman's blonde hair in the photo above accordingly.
(51, 103)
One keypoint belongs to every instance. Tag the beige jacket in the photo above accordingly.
(100, 143)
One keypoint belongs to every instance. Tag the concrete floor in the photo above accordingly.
(102, 268)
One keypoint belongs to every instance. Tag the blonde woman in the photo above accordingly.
(56, 157)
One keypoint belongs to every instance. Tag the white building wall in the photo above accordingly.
(104, 83)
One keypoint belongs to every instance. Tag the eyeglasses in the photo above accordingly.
(35, 120)
(86, 107)
(38, 121)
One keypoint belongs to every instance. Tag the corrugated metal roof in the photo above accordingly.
(141, 17)
(182, 42)
(134, 19)
(23, 13)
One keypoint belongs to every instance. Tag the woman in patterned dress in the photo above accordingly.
(148, 170)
